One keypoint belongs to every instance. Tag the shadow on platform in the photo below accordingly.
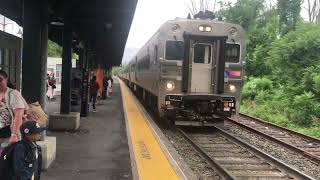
(98, 150)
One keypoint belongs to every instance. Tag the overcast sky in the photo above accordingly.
(149, 16)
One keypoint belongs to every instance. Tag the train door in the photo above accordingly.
(204, 64)
(201, 64)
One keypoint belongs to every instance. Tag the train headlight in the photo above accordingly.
(170, 86)
(201, 28)
(205, 28)
(232, 88)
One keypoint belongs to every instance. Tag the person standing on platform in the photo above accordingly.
(27, 157)
(109, 86)
(12, 112)
(47, 85)
(105, 87)
(94, 87)
(51, 82)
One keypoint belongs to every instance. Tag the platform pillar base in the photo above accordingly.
(49, 149)
(68, 122)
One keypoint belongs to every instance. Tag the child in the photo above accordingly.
(27, 154)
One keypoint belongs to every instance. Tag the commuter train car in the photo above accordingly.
(190, 70)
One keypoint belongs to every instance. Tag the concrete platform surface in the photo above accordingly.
(98, 150)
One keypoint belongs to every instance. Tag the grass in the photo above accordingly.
(276, 117)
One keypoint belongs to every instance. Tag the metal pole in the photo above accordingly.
(65, 106)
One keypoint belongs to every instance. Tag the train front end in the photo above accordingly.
(209, 77)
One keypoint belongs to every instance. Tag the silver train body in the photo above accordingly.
(190, 70)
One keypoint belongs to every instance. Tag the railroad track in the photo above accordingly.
(234, 159)
(305, 145)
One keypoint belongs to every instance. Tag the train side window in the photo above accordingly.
(155, 54)
(202, 53)
(174, 50)
(232, 53)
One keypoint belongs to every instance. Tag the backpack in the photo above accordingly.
(6, 162)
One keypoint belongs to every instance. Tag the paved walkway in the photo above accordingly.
(98, 151)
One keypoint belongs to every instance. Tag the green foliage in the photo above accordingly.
(296, 51)
(311, 80)
(282, 63)
(243, 12)
(254, 86)
(316, 83)
(54, 50)
(303, 109)
(116, 71)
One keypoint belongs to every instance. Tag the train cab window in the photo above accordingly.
(232, 53)
(202, 53)
(174, 50)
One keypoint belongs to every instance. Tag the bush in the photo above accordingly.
(252, 88)
(303, 110)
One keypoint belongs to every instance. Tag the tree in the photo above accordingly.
(243, 12)
(314, 10)
(54, 50)
(293, 53)
(289, 13)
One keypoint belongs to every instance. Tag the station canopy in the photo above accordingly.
(102, 26)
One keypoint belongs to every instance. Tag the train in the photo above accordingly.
(190, 71)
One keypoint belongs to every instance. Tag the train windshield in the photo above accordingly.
(174, 50)
(232, 53)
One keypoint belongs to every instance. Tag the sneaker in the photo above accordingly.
(94, 110)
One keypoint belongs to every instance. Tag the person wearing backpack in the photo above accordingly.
(12, 111)
(22, 160)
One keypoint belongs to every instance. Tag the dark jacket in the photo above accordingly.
(26, 162)
(94, 87)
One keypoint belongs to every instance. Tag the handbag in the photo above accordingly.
(36, 113)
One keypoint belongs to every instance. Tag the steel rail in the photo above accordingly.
(304, 153)
(317, 140)
(221, 170)
(281, 165)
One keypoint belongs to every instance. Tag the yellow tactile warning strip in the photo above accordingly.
(150, 161)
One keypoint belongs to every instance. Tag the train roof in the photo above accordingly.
(185, 21)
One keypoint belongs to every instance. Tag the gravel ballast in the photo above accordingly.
(287, 156)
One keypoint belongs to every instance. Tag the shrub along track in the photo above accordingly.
(304, 145)
(232, 158)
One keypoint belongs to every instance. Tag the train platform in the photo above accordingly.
(119, 141)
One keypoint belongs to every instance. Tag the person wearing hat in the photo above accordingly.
(27, 157)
